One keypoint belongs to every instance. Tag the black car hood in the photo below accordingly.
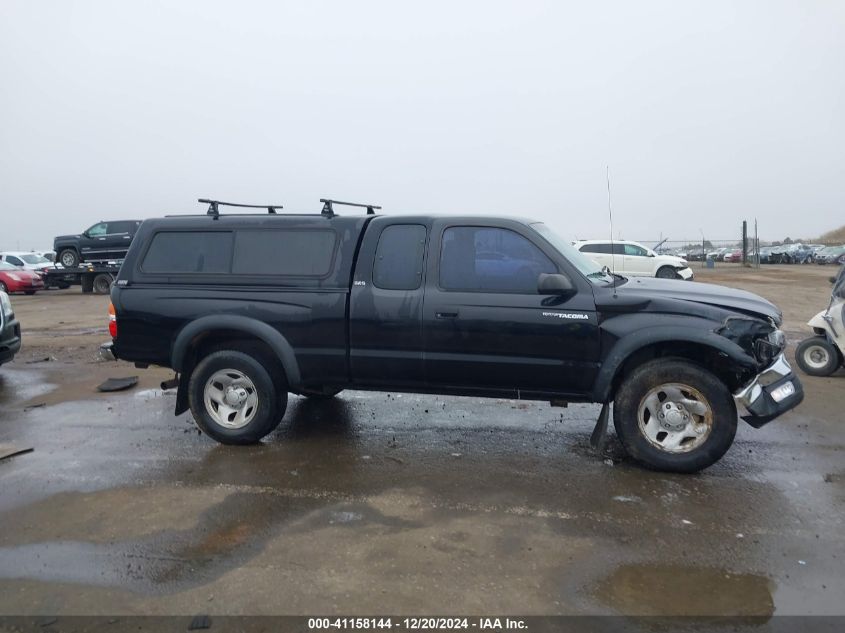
(649, 293)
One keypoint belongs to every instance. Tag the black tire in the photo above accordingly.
(4, 287)
(816, 356)
(62, 285)
(271, 403)
(654, 374)
(68, 258)
(321, 395)
(666, 272)
(102, 283)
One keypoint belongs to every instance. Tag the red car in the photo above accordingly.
(14, 279)
(733, 256)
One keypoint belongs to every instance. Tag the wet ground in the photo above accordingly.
(390, 503)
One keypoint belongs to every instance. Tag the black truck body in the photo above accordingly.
(461, 305)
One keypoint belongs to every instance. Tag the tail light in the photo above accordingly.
(112, 321)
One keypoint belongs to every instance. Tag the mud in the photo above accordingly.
(394, 503)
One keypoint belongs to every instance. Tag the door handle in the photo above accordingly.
(446, 315)
(101, 238)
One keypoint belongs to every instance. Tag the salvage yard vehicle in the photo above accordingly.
(26, 261)
(634, 260)
(247, 308)
(824, 353)
(14, 279)
(10, 330)
(103, 242)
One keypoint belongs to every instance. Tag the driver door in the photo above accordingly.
(93, 243)
(486, 329)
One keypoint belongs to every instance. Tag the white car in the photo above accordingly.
(634, 260)
(27, 260)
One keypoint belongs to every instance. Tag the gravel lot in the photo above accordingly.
(388, 503)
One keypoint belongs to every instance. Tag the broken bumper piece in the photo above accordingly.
(773, 391)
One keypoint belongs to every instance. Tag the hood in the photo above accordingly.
(22, 273)
(673, 259)
(66, 238)
(643, 291)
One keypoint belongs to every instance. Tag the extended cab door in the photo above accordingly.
(119, 237)
(385, 314)
(486, 327)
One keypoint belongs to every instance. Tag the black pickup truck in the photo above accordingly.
(246, 308)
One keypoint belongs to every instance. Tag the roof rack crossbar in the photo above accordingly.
(329, 211)
(213, 206)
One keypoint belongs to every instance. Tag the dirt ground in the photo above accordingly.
(401, 504)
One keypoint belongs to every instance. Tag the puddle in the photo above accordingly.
(668, 590)
(21, 385)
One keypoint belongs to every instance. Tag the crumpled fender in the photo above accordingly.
(641, 337)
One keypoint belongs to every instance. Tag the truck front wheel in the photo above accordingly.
(674, 415)
(69, 258)
(233, 398)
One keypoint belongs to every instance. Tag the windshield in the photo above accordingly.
(32, 258)
(588, 267)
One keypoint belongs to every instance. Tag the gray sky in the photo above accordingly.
(707, 112)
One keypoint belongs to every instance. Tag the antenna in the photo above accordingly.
(610, 216)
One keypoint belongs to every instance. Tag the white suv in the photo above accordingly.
(634, 260)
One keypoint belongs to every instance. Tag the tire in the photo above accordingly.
(102, 283)
(666, 272)
(68, 258)
(816, 356)
(701, 439)
(62, 285)
(207, 382)
(4, 287)
(321, 395)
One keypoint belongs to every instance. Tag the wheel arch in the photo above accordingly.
(214, 332)
(726, 359)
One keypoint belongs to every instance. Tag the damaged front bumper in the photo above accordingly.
(772, 392)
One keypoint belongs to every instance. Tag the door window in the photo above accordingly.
(484, 259)
(636, 251)
(98, 230)
(14, 260)
(399, 257)
(119, 227)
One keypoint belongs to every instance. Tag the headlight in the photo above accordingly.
(757, 337)
(6, 305)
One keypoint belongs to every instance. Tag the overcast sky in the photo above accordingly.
(707, 112)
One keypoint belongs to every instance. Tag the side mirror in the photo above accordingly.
(553, 284)
(652, 254)
(85, 233)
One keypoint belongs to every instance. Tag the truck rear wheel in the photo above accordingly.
(674, 415)
(102, 283)
(233, 398)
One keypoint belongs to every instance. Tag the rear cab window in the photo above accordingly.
(399, 257)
